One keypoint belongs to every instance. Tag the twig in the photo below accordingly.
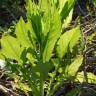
(7, 91)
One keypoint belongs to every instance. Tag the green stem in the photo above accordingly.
(42, 88)
(33, 87)
(50, 91)
(50, 83)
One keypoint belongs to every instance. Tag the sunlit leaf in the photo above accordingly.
(66, 6)
(90, 76)
(22, 33)
(67, 21)
(31, 35)
(46, 12)
(74, 66)
(11, 47)
(23, 87)
(75, 37)
(53, 35)
(29, 8)
(67, 40)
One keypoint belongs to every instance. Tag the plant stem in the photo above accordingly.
(50, 92)
(42, 88)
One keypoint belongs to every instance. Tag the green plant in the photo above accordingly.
(39, 46)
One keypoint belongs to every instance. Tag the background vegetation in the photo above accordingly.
(49, 47)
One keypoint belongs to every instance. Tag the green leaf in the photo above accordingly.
(23, 87)
(34, 15)
(46, 12)
(37, 26)
(29, 8)
(10, 47)
(75, 37)
(68, 39)
(44, 5)
(22, 34)
(53, 35)
(90, 76)
(68, 19)
(65, 5)
(31, 34)
(74, 66)
(62, 4)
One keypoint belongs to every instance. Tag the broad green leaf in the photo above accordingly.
(11, 47)
(29, 8)
(37, 26)
(45, 6)
(67, 40)
(34, 14)
(31, 35)
(22, 34)
(68, 19)
(53, 35)
(62, 4)
(74, 66)
(90, 76)
(67, 5)
(75, 37)
(45, 25)
(22, 86)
